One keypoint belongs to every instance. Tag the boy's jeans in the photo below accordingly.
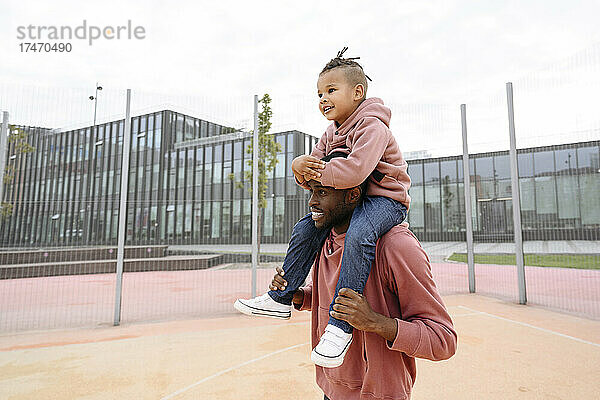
(372, 218)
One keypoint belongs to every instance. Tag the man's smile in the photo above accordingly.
(316, 214)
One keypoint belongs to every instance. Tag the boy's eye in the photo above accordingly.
(320, 95)
(331, 90)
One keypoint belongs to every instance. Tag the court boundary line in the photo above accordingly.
(532, 326)
(215, 375)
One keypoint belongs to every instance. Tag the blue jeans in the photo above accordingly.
(372, 218)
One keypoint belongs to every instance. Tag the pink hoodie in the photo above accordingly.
(400, 286)
(366, 138)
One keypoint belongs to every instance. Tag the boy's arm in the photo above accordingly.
(320, 148)
(319, 152)
(370, 141)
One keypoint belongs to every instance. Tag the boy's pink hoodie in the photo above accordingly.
(366, 137)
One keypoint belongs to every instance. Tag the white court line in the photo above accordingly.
(465, 315)
(532, 326)
(185, 389)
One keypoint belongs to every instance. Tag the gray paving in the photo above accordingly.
(435, 250)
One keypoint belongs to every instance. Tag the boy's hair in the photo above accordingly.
(352, 70)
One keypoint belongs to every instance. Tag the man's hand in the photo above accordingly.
(278, 283)
(305, 168)
(353, 308)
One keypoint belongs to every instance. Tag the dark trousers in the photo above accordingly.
(372, 218)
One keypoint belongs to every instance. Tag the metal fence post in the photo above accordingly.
(123, 208)
(467, 190)
(516, 200)
(255, 197)
(3, 149)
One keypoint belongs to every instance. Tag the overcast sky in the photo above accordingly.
(425, 58)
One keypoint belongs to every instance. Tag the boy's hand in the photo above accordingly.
(307, 167)
(278, 283)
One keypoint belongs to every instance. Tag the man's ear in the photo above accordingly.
(359, 92)
(354, 194)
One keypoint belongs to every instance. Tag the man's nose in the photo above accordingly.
(312, 201)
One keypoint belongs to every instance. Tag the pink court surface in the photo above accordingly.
(88, 300)
(506, 351)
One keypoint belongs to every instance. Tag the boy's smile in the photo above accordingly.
(338, 99)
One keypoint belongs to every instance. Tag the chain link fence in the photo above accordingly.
(187, 222)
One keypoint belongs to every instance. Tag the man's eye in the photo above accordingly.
(322, 192)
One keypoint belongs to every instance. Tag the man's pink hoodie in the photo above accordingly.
(366, 137)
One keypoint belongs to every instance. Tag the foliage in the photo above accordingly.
(17, 138)
(267, 153)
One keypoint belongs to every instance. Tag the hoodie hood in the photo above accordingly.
(371, 107)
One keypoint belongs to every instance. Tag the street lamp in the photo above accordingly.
(93, 169)
(95, 99)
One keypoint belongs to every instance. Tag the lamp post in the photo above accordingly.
(92, 170)
(95, 99)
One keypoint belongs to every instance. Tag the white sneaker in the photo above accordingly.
(263, 306)
(332, 347)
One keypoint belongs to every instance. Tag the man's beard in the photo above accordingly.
(339, 215)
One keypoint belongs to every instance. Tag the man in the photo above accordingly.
(399, 317)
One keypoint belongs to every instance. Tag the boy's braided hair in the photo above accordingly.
(353, 70)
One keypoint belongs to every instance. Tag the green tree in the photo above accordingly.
(267, 159)
(17, 139)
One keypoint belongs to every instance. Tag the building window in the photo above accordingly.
(502, 167)
(590, 200)
(432, 208)
(432, 172)
(543, 163)
(484, 167)
(179, 128)
(268, 218)
(216, 219)
(416, 213)
(525, 162)
(415, 171)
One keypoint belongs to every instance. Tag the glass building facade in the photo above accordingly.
(184, 185)
(186, 173)
(559, 192)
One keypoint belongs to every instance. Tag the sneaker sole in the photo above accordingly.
(329, 362)
(258, 312)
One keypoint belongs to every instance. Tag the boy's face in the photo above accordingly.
(337, 98)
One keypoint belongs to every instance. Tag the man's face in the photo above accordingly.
(329, 206)
(337, 98)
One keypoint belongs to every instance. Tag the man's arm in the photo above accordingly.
(425, 329)
(353, 308)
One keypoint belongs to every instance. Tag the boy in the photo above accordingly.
(360, 130)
